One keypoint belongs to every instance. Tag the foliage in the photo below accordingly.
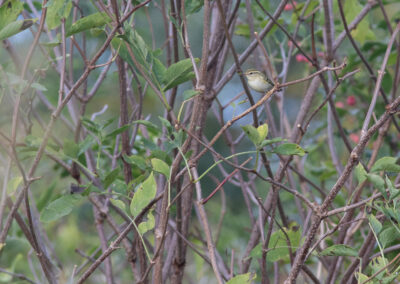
(129, 137)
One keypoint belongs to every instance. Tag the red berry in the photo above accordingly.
(354, 137)
(339, 104)
(351, 100)
(301, 58)
(289, 7)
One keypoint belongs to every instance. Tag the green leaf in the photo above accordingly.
(361, 278)
(360, 173)
(13, 184)
(120, 187)
(139, 44)
(9, 12)
(246, 278)
(7, 278)
(66, 9)
(311, 5)
(394, 192)
(118, 203)
(378, 264)
(252, 133)
(389, 212)
(388, 236)
(257, 251)
(91, 126)
(178, 73)
(339, 250)
(143, 195)
(271, 141)
(188, 94)
(375, 224)
(59, 208)
(71, 149)
(86, 144)
(56, 10)
(118, 131)
(147, 225)
(140, 51)
(38, 87)
(160, 167)
(278, 245)
(136, 160)
(158, 69)
(289, 149)
(147, 124)
(362, 32)
(119, 45)
(166, 124)
(110, 178)
(92, 21)
(392, 58)
(387, 164)
(193, 6)
(310, 8)
(15, 27)
(45, 196)
(256, 135)
(389, 279)
(378, 182)
(262, 132)
(242, 30)
(387, 82)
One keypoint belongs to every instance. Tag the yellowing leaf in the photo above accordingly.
(262, 132)
(290, 149)
(252, 133)
(160, 166)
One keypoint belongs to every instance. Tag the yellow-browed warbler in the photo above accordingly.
(258, 81)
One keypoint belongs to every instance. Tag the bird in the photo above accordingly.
(258, 81)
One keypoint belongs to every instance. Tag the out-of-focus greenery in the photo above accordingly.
(67, 222)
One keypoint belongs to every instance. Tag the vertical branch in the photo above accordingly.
(329, 28)
(206, 227)
(4, 190)
(99, 220)
(63, 61)
(124, 118)
(205, 47)
(174, 44)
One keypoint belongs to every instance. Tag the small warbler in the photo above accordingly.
(258, 81)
